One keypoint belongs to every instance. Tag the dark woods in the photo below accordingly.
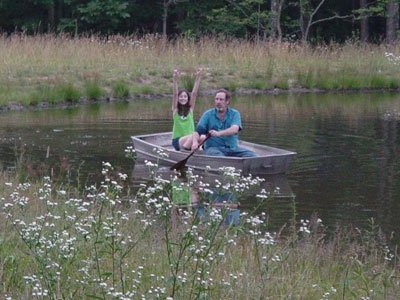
(289, 20)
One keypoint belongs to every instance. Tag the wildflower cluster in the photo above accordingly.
(229, 186)
(161, 153)
(330, 292)
(391, 57)
(304, 226)
(108, 244)
(67, 225)
(130, 152)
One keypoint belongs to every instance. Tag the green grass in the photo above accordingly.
(120, 89)
(67, 92)
(258, 84)
(393, 83)
(143, 89)
(93, 91)
(119, 68)
(230, 86)
(187, 82)
(282, 84)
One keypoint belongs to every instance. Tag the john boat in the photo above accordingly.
(269, 160)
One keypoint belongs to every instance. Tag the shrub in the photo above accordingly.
(188, 82)
(120, 89)
(231, 86)
(93, 90)
(258, 84)
(67, 92)
(145, 89)
(393, 83)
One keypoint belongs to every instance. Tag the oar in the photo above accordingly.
(181, 164)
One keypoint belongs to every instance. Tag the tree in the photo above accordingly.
(103, 15)
(308, 17)
(242, 18)
(275, 19)
(388, 9)
(166, 5)
(193, 18)
(392, 20)
(364, 28)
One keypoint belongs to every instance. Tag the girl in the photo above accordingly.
(183, 104)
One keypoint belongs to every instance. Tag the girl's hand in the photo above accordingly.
(175, 73)
(199, 71)
(195, 145)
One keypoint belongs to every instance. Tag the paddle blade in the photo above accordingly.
(179, 165)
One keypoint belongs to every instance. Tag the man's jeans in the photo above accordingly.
(223, 151)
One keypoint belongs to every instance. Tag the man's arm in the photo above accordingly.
(202, 128)
(226, 132)
(236, 126)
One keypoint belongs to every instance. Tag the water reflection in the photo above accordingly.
(273, 195)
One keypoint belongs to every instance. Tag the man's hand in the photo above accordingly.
(215, 133)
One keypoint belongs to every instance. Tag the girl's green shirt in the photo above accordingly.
(183, 125)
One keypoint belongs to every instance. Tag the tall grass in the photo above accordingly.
(120, 89)
(29, 62)
(93, 90)
(106, 242)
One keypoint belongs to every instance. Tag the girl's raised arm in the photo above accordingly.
(175, 75)
(195, 88)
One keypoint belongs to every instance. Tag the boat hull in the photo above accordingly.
(269, 160)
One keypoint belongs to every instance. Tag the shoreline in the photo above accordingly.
(52, 71)
(17, 106)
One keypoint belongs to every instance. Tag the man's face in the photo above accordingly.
(220, 102)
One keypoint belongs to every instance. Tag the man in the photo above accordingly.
(223, 124)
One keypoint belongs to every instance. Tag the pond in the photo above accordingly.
(347, 169)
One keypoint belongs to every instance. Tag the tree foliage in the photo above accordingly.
(312, 20)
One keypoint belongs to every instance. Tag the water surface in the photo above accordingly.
(347, 169)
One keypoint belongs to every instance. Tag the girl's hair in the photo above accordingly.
(183, 109)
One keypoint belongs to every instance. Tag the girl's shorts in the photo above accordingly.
(175, 144)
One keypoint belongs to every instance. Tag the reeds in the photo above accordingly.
(32, 63)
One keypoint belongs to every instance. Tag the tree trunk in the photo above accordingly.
(305, 15)
(275, 20)
(166, 4)
(60, 11)
(392, 21)
(364, 27)
(164, 21)
(50, 17)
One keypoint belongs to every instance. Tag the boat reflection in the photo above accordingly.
(272, 194)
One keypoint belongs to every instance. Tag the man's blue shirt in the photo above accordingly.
(209, 120)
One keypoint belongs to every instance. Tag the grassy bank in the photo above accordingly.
(63, 69)
(109, 243)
